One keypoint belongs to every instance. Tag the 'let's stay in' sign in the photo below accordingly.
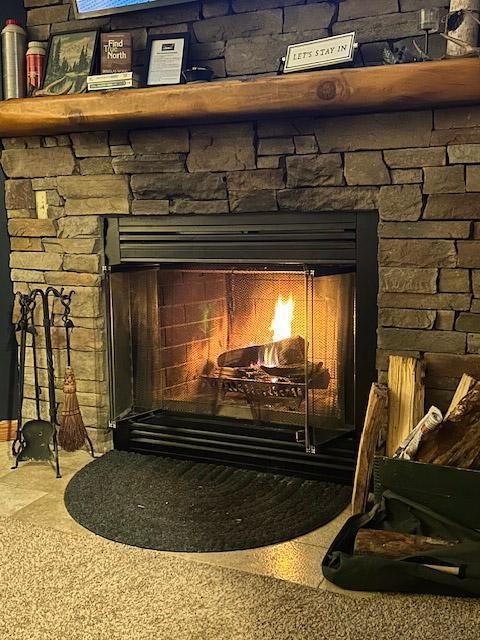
(320, 53)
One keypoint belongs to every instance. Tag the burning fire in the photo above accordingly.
(282, 319)
(281, 328)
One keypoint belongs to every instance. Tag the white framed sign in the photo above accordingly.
(166, 58)
(320, 53)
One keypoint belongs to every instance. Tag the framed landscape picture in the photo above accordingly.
(70, 60)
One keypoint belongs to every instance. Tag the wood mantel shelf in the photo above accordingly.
(398, 87)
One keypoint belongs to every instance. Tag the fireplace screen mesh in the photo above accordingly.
(263, 346)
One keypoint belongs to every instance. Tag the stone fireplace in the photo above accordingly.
(236, 338)
(418, 172)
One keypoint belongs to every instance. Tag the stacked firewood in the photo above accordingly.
(395, 416)
(282, 361)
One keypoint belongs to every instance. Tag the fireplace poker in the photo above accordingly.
(21, 327)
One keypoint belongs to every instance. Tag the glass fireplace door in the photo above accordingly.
(267, 348)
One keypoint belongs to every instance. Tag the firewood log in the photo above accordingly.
(454, 442)
(243, 357)
(393, 544)
(465, 453)
(375, 420)
(406, 399)
(464, 386)
(281, 353)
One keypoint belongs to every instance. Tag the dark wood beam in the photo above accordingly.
(399, 87)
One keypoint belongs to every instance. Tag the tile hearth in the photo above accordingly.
(32, 494)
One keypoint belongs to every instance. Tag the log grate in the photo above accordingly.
(258, 389)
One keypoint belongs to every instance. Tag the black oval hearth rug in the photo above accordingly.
(180, 505)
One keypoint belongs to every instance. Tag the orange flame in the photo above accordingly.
(283, 318)
(281, 328)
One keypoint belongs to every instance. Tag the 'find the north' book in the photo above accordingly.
(116, 56)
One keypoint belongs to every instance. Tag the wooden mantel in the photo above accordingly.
(399, 87)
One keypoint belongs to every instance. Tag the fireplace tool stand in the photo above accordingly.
(33, 437)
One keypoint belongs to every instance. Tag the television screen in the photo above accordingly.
(90, 8)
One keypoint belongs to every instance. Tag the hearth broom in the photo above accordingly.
(72, 434)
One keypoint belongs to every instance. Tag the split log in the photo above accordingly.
(318, 376)
(292, 370)
(457, 441)
(228, 373)
(464, 386)
(465, 453)
(375, 419)
(406, 399)
(281, 353)
(243, 357)
(393, 544)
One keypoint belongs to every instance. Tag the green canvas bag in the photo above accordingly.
(407, 574)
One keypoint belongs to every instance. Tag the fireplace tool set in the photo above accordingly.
(35, 437)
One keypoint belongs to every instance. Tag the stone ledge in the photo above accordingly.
(32, 228)
(97, 186)
(407, 318)
(38, 163)
(469, 253)
(424, 229)
(329, 199)
(418, 253)
(442, 341)
(400, 202)
(374, 131)
(408, 280)
(314, 170)
(36, 260)
(439, 301)
(97, 206)
(469, 322)
(453, 207)
(454, 281)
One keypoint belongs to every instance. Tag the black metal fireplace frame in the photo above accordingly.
(321, 241)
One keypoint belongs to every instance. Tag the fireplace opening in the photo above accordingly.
(263, 346)
(246, 362)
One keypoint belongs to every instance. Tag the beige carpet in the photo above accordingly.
(58, 586)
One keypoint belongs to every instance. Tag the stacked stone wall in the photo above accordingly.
(420, 170)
